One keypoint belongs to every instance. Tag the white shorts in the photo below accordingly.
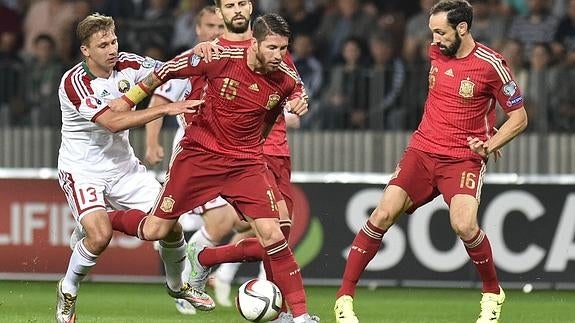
(135, 189)
(212, 204)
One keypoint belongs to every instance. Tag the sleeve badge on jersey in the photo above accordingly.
(195, 60)
(149, 62)
(167, 204)
(510, 88)
(273, 100)
(93, 102)
(466, 88)
(124, 86)
(511, 102)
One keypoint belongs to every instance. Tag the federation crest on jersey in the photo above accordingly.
(167, 204)
(510, 88)
(466, 88)
(195, 60)
(123, 86)
(93, 102)
(273, 100)
(149, 62)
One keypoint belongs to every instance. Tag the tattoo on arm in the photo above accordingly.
(151, 81)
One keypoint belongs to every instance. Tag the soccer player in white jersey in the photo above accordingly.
(96, 163)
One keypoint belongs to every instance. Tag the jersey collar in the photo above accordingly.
(88, 72)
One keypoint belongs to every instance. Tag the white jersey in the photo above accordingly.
(88, 148)
(175, 90)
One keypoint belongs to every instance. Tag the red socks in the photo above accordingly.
(479, 250)
(363, 249)
(287, 275)
(245, 250)
(127, 221)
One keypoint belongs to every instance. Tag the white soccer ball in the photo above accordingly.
(259, 300)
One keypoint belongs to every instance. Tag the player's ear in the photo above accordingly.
(254, 43)
(84, 50)
(462, 28)
(219, 13)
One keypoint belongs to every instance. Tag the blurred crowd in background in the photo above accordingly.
(364, 62)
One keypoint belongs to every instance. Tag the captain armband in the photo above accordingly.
(136, 94)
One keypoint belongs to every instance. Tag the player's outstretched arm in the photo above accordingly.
(116, 121)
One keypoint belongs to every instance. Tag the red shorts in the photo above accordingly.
(196, 177)
(424, 176)
(280, 172)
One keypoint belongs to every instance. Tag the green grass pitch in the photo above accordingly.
(142, 303)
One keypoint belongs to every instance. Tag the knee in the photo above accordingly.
(465, 229)
(271, 235)
(161, 232)
(382, 218)
(99, 239)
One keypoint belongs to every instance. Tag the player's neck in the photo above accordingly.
(467, 46)
(253, 62)
(95, 71)
(228, 35)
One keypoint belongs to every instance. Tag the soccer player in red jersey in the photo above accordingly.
(448, 152)
(220, 218)
(222, 151)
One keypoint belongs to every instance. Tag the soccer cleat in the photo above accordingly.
(283, 318)
(309, 318)
(77, 235)
(222, 292)
(184, 307)
(197, 298)
(491, 307)
(66, 306)
(344, 310)
(199, 274)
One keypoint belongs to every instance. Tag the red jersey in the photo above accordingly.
(461, 101)
(237, 101)
(276, 143)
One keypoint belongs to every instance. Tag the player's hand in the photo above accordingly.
(297, 106)
(292, 121)
(477, 145)
(119, 105)
(186, 106)
(481, 147)
(154, 154)
(207, 50)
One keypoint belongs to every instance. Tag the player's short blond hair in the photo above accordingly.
(93, 24)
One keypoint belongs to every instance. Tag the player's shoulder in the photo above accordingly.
(492, 61)
(76, 81)
(289, 72)
(486, 53)
(128, 60)
(77, 69)
(231, 53)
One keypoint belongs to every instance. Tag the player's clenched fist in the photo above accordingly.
(298, 106)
